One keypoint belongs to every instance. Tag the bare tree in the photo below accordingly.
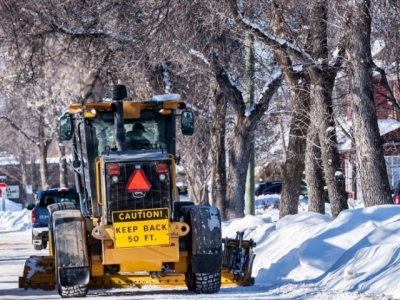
(370, 157)
(63, 51)
(294, 48)
(293, 164)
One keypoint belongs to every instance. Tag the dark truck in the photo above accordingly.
(40, 214)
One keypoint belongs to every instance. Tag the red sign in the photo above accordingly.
(3, 186)
(138, 182)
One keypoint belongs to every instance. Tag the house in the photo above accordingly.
(389, 127)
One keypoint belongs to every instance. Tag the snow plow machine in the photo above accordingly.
(131, 229)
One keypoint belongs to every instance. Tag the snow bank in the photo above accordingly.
(14, 218)
(9, 205)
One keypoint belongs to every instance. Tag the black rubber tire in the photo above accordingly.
(177, 213)
(37, 247)
(72, 291)
(69, 291)
(54, 207)
(189, 279)
(65, 291)
(200, 283)
(44, 244)
(203, 283)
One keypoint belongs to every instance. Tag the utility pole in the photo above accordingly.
(249, 100)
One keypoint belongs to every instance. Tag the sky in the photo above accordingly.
(303, 256)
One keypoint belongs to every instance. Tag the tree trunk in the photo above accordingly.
(328, 140)
(43, 155)
(34, 175)
(249, 100)
(293, 166)
(43, 168)
(313, 169)
(218, 167)
(62, 165)
(370, 156)
(317, 44)
(323, 79)
(249, 198)
(238, 164)
(24, 178)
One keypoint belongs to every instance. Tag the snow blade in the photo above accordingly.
(237, 260)
(38, 273)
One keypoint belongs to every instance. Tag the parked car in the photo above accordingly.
(263, 186)
(40, 214)
(275, 187)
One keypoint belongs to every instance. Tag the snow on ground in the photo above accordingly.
(13, 218)
(303, 256)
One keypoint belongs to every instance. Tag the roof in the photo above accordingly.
(385, 126)
(61, 190)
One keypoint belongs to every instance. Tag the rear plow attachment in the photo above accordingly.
(237, 261)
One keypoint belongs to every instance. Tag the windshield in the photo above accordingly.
(153, 130)
(59, 197)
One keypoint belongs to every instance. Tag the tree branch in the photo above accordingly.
(268, 38)
(227, 85)
(386, 86)
(15, 126)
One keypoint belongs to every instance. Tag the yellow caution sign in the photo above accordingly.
(140, 228)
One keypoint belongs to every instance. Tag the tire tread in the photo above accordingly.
(206, 283)
(72, 291)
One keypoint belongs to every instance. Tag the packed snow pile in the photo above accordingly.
(14, 218)
(7, 204)
(356, 252)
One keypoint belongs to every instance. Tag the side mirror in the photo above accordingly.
(30, 206)
(187, 122)
(66, 128)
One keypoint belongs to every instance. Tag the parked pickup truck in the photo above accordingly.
(40, 214)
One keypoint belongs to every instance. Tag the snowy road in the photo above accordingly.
(15, 247)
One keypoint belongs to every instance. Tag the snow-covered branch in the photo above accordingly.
(91, 32)
(16, 127)
(268, 38)
(227, 85)
(274, 81)
(199, 55)
(88, 32)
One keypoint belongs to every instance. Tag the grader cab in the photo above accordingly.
(131, 229)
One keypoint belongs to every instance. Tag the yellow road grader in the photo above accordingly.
(131, 229)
